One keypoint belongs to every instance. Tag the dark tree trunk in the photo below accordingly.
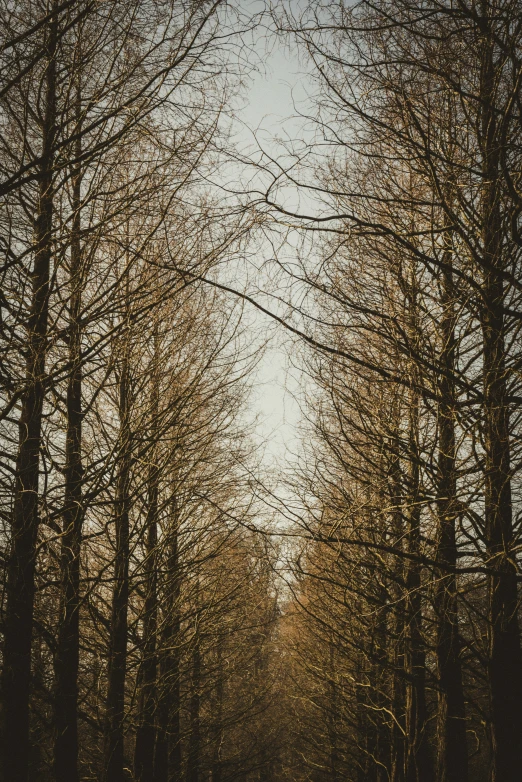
(25, 518)
(68, 646)
(113, 770)
(505, 662)
(361, 723)
(452, 756)
(332, 715)
(220, 693)
(146, 734)
(418, 763)
(194, 746)
(398, 694)
(381, 749)
(398, 699)
(167, 762)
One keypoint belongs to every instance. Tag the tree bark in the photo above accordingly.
(505, 661)
(418, 763)
(398, 693)
(217, 765)
(167, 762)
(398, 699)
(452, 756)
(381, 751)
(145, 735)
(332, 715)
(113, 770)
(194, 748)
(25, 518)
(68, 645)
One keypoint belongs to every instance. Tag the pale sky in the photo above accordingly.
(269, 110)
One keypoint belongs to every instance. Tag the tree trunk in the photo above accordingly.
(418, 765)
(68, 645)
(332, 715)
(361, 720)
(381, 751)
(452, 756)
(114, 751)
(25, 518)
(220, 693)
(145, 735)
(398, 694)
(398, 698)
(505, 662)
(195, 698)
(167, 762)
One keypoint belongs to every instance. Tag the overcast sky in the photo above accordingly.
(268, 109)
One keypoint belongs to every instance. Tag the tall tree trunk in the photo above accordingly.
(167, 762)
(452, 756)
(418, 766)
(361, 719)
(145, 735)
(398, 692)
(194, 747)
(113, 770)
(68, 645)
(505, 661)
(25, 518)
(381, 750)
(398, 699)
(332, 715)
(220, 693)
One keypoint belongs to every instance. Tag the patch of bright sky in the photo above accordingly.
(268, 114)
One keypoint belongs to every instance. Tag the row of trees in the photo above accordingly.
(142, 634)
(136, 609)
(403, 631)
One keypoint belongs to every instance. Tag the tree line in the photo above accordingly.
(403, 628)
(155, 626)
(136, 609)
